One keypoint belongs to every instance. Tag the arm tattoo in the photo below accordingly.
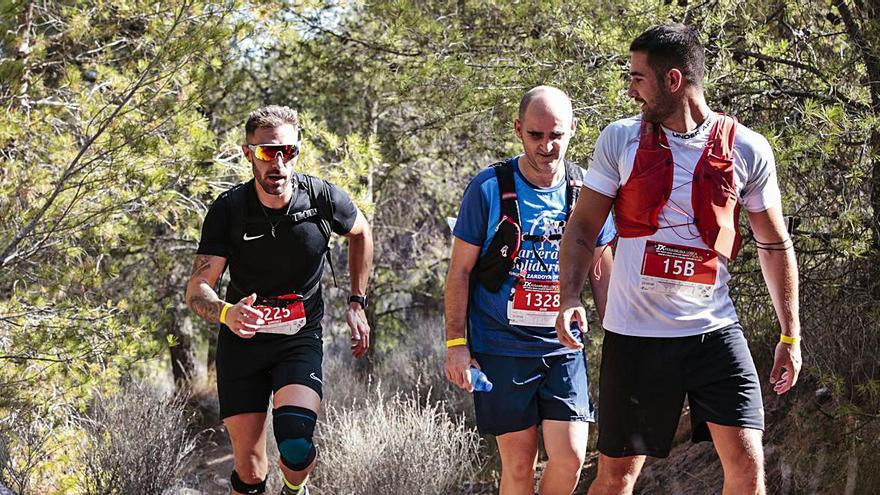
(200, 264)
(582, 243)
(207, 310)
(204, 303)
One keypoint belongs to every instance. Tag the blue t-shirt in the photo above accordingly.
(542, 212)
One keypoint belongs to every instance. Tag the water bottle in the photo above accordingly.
(479, 380)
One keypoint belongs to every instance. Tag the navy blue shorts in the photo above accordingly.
(643, 382)
(529, 390)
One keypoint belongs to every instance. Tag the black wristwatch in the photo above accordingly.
(362, 300)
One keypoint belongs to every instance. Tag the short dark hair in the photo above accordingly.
(271, 116)
(673, 46)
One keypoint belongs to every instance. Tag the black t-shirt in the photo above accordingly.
(291, 261)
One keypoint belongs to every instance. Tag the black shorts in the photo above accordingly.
(528, 390)
(250, 370)
(643, 382)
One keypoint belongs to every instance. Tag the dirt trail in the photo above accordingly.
(216, 463)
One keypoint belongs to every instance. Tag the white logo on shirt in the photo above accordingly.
(246, 238)
(314, 377)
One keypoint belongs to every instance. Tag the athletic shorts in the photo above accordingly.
(643, 382)
(250, 370)
(528, 390)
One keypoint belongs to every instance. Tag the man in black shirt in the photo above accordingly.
(272, 232)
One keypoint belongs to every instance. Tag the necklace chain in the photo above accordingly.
(289, 205)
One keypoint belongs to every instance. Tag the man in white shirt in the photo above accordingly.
(677, 176)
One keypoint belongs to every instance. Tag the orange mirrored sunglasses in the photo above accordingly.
(269, 152)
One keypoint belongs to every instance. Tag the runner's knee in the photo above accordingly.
(294, 427)
(569, 460)
(745, 465)
(518, 467)
(618, 474)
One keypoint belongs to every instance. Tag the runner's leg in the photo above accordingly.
(519, 453)
(617, 475)
(566, 446)
(742, 457)
(300, 396)
(247, 432)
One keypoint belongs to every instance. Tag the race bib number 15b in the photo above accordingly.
(682, 270)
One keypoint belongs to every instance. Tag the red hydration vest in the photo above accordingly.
(713, 194)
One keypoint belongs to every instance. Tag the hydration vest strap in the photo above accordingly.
(303, 295)
(325, 210)
(504, 171)
(573, 182)
(724, 136)
(651, 136)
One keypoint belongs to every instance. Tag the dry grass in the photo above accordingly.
(136, 442)
(25, 446)
(401, 429)
(394, 445)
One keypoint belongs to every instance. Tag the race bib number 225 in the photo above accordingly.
(286, 316)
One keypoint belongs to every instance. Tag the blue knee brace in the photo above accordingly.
(294, 427)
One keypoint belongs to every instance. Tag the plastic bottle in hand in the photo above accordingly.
(479, 380)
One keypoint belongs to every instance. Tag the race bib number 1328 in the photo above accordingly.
(534, 303)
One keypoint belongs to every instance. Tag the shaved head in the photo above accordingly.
(549, 98)
(544, 126)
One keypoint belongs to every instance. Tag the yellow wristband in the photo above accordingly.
(785, 339)
(456, 342)
(223, 311)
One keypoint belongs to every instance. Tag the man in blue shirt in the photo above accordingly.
(510, 330)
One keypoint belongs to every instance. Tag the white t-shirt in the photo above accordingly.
(637, 305)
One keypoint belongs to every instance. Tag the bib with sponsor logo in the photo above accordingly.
(283, 315)
(682, 270)
(534, 303)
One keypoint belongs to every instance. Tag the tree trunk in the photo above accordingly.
(183, 355)
(372, 126)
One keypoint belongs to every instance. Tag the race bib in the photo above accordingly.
(534, 303)
(681, 270)
(284, 315)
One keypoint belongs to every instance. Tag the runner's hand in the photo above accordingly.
(458, 362)
(568, 315)
(786, 367)
(360, 329)
(243, 319)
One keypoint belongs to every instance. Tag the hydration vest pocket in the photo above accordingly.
(715, 175)
(494, 266)
(640, 195)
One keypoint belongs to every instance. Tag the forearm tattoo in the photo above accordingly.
(207, 307)
(207, 310)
